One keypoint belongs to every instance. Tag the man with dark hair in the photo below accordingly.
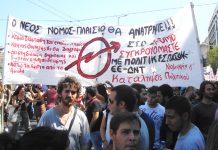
(203, 112)
(67, 117)
(148, 120)
(94, 115)
(216, 92)
(44, 138)
(164, 92)
(141, 88)
(125, 131)
(178, 119)
(123, 99)
(156, 111)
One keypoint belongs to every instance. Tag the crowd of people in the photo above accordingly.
(107, 117)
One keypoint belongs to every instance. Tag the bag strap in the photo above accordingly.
(72, 121)
(107, 113)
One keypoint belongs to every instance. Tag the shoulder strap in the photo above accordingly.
(71, 123)
(107, 112)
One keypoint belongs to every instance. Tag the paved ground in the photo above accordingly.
(33, 124)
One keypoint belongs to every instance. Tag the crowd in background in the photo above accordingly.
(103, 116)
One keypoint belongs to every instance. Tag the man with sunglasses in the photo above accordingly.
(67, 117)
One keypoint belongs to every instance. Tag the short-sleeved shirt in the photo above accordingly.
(192, 140)
(107, 132)
(144, 140)
(216, 114)
(79, 133)
(157, 115)
(94, 105)
(203, 116)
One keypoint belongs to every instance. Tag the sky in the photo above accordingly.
(107, 12)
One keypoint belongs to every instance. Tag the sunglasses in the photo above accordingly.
(70, 91)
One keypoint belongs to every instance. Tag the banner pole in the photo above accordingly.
(197, 39)
(6, 44)
(2, 113)
(99, 62)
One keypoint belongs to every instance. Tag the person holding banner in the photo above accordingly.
(67, 117)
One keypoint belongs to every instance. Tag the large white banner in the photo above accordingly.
(160, 52)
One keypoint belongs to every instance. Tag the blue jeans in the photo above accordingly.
(96, 140)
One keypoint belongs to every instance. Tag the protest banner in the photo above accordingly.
(209, 75)
(165, 51)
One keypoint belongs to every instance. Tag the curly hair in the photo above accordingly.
(72, 81)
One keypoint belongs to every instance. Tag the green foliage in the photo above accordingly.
(212, 57)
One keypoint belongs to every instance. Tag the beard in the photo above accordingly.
(68, 101)
(209, 96)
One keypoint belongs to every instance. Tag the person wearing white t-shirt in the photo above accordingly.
(67, 117)
(105, 128)
(156, 111)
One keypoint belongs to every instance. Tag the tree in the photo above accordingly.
(212, 58)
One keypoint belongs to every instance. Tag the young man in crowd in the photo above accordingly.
(140, 94)
(94, 115)
(203, 112)
(125, 131)
(142, 91)
(178, 119)
(156, 111)
(123, 99)
(164, 93)
(61, 116)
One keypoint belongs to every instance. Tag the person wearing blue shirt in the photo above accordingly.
(178, 119)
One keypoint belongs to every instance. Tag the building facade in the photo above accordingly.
(213, 28)
(204, 46)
